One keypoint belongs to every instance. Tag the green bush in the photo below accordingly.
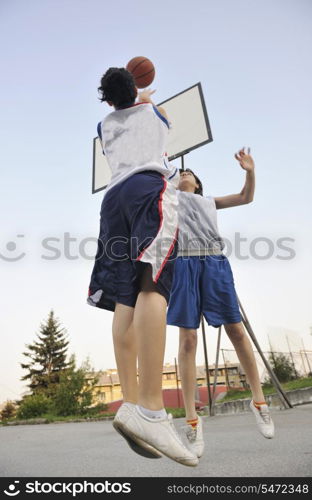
(282, 367)
(34, 406)
(73, 395)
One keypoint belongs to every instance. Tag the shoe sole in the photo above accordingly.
(138, 446)
(131, 437)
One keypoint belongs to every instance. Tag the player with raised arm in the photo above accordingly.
(203, 284)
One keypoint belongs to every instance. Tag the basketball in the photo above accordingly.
(142, 70)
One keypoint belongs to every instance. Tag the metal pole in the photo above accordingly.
(177, 381)
(182, 162)
(206, 363)
(283, 397)
(226, 372)
(272, 353)
(303, 363)
(310, 371)
(217, 362)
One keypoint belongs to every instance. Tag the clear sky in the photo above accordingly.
(253, 60)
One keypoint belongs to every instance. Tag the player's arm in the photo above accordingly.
(145, 96)
(247, 193)
(162, 111)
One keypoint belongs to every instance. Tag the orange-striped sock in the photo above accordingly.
(258, 404)
(193, 422)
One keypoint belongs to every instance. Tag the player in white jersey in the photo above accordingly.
(134, 140)
(203, 284)
(133, 268)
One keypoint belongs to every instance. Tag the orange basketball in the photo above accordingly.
(142, 70)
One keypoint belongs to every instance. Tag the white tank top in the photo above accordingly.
(133, 140)
(198, 228)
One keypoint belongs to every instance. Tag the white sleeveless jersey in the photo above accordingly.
(133, 140)
(198, 227)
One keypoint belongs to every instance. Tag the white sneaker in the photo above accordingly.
(160, 434)
(138, 446)
(264, 420)
(195, 437)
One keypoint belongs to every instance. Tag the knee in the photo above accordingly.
(235, 331)
(125, 339)
(188, 343)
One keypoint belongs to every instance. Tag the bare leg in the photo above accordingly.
(126, 351)
(187, 366)
(243, 348)
(150, 327)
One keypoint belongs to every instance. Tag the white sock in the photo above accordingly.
(127, 403)
(154, 414)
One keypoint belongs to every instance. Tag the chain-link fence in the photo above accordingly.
(300, 361)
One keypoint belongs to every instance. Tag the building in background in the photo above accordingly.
(108, 390)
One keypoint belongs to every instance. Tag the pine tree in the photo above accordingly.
(47, 357)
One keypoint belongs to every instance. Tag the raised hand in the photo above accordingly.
(145, 95)
(245, 159)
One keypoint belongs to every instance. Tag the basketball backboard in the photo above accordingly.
(189, 130)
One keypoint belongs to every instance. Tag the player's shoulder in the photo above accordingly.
(133, 109)
(149, 108)
(188, 197)
(195, 196)
(196, 200)
(210, 201)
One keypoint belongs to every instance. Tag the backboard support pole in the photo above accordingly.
(182, 162)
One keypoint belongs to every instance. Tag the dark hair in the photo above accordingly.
(118, 86)
(198, 190)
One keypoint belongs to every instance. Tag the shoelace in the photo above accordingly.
(191, 433)
(265, 415)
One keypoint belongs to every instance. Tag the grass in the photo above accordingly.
(50, 417)
(58, 418)
(300, 383)
(176, 412)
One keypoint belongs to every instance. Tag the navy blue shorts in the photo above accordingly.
(138, 226)
(203, 285)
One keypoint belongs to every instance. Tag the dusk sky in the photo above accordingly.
(253, 60)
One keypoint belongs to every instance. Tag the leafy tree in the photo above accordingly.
(74, 393)
(47, 357)
(8, 411)
(282, 367)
